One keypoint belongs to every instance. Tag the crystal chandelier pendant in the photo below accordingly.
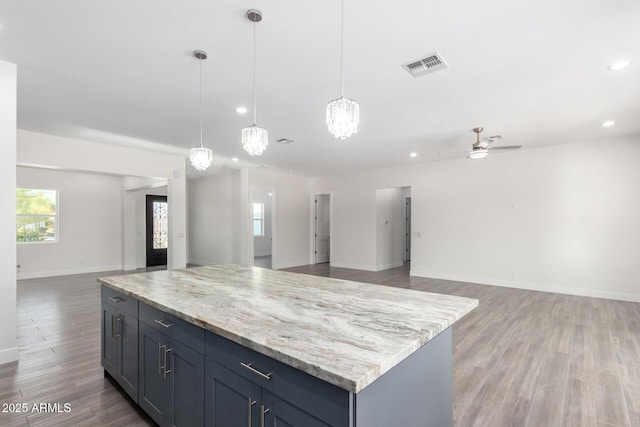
(343, 117)
(255, 140)
(201, 157)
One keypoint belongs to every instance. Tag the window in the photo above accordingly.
(36, 215)
(258, 219)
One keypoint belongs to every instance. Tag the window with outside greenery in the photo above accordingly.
(258, 219)
(36, 215)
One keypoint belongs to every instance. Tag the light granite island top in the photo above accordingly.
(346, 333)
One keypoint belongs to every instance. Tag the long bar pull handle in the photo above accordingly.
(166, 371)
(163, 323)
(250, 404)
(116, 299)
(160, 358)
(118, 329)
(263, 411)
(249, 366)
(113, 326)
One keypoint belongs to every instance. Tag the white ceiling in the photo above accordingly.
(123, 72)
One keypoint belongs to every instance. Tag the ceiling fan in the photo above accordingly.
(481, 148)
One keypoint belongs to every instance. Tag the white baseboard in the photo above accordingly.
(289, 264)
(68, 272)
(353, 266)
(8, 355)
(593, 293)
(255, 254)
(389, 266)
(200, 262)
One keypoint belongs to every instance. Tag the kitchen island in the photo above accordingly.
(250, 346)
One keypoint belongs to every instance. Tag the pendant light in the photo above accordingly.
(200, 157)
(254, 139)
(343, 114)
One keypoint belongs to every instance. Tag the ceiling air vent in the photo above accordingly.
(426, 65)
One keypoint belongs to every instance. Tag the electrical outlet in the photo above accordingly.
(18, 268)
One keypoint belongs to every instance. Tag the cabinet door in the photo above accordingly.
(127, 329)
(109, 340)
(230, 400)
(152, 389)
(185, 377)
(277, 412)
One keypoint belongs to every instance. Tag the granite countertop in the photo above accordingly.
(346, 333)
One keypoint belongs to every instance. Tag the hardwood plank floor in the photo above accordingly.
(58, 336)
(526, 358)
(522, 358)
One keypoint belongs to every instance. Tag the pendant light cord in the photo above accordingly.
(200, 102)
(342, 51)
(254, 73)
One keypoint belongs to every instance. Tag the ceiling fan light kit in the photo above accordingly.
(480, 148)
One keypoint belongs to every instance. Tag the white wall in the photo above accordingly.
(561, 218)
(220, 217)
(48, 151)
(8, 347)
(390, 206)
(214, 219)
(291, 213)
(89, 224)
(262, 244)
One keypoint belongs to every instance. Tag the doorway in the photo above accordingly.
(157, 225)
(322, 234)
(262, 226)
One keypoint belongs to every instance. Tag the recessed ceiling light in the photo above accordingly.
(413, 154)
(235, 159)
(241, 110)
(619, 65)
(608, 123)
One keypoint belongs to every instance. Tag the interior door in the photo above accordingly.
(157, 230)
(322, 228)
(407, 230)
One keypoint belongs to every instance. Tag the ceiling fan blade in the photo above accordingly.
(505, 147)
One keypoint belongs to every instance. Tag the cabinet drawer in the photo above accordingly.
(121, 302)
(318, 397)
(173, 327)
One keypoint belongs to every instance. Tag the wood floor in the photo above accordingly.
(522, 358)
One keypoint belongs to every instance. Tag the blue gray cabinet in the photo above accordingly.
(171, 372)
(186, 376)
(233, 401)
(120, 339)
(246, 388)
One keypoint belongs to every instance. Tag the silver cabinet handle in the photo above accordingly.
(166, 371)
(249, 366)
(113, 326)
(116, 299)
(163, 323)
(263, 411)
(250, 404)
(118, 322)
(160, 358)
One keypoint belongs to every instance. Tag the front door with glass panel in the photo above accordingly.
(157, 230)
